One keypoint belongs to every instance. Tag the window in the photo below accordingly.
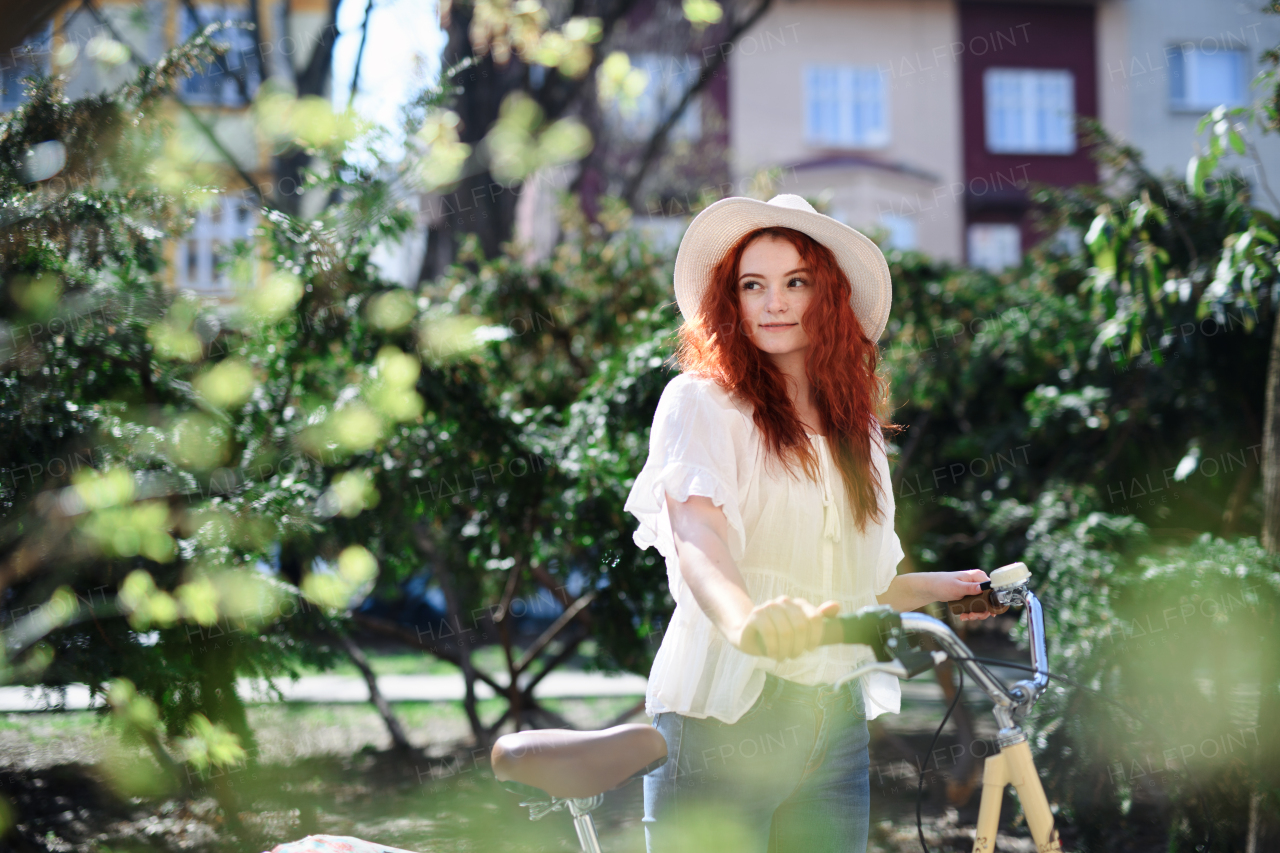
(994, 245)
(205, 246)
(220, 82)
(902, 233)
(31, 58)
(669, 78)
(1200, 81)
(1029, 111)
(846, 106)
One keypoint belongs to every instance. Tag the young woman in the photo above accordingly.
(767, 491)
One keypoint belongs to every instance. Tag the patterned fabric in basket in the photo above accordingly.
(334, 844)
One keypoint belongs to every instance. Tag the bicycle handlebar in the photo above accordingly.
(878, 628)
(881, 628)
(884, 630)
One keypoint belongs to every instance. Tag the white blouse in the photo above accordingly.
(787, 535)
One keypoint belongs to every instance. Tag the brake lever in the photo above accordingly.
(914, 659)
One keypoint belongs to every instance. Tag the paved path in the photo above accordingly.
(349, 689)
(346, 689)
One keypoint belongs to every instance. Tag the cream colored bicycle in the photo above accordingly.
(561, 769)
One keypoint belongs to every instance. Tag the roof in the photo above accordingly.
(838, 160)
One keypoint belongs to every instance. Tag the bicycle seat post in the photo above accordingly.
(582, 823)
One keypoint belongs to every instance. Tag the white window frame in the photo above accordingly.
(230, 218)
(1029, 110)
(846, 106)
(981, 237)
(1184, 61)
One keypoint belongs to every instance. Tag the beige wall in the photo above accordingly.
(1133, 76)
(1115, 109)
(910, 40)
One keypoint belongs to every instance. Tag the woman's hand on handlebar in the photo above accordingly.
(784, 627)
(953, 586)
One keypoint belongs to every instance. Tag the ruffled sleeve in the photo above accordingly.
(693, 450)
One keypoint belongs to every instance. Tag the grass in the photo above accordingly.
(287, 732)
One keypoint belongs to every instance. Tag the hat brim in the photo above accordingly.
(719, 227)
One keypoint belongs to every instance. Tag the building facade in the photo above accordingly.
(857, 104)
(931, 120)
(98, 48)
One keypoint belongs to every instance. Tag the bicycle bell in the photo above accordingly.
(1008, 583)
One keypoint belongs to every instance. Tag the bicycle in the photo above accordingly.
(555, 769)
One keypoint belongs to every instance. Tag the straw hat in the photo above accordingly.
(718, 228)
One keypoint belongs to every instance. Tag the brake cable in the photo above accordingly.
(929, 755)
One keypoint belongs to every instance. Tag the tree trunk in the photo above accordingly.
(219, 700)
(1270, 705)
(445, 577)
(503, 618)
(1271, 447)
(311, 79)
(399, 740)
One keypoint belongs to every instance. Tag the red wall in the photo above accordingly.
(1021, 35)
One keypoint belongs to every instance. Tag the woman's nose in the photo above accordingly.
(777, 302)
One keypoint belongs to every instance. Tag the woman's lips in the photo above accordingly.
(777, 326)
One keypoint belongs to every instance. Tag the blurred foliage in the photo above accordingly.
(149, 472)
(1175, 647)
(569, 380)
(204, 487)
(1098, 414)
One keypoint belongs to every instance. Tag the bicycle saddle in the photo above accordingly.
(570, 764)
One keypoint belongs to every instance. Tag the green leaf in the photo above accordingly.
(1236, 141)
(1199, 168)
(702, 12)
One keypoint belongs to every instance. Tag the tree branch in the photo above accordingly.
(658, 141)
(404, 635)
(242, 84)
(364, 38)
(552, 631)
(398, 737)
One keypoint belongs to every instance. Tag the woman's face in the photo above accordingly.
(774, 289)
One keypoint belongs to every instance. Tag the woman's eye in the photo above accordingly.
(797, 281)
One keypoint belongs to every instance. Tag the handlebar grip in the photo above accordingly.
(752, 642)
(869, 626)
(981, 602)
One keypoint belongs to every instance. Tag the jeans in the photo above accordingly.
(791, 776)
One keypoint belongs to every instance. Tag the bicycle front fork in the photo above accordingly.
(1013, 766)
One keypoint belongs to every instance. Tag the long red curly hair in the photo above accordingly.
(841, 364)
